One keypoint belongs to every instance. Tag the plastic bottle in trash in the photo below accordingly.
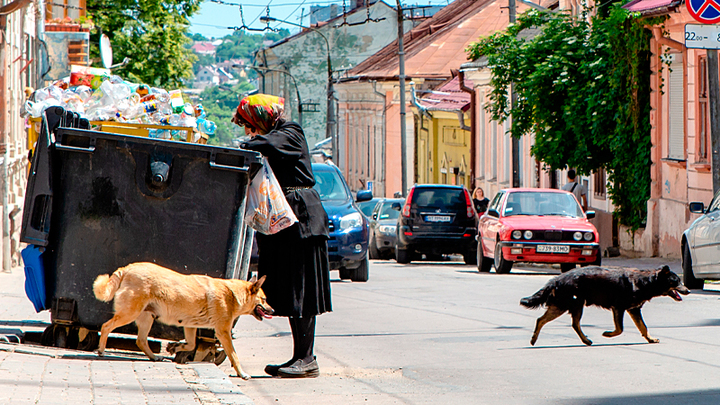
(149, 107)
(199, 111)
(84, 92)
(176, 101)
(206, 126)
(143, 90)
(187, 121)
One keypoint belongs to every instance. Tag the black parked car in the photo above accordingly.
(383, 225)
(436, 219)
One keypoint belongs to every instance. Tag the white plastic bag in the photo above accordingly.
(267, 211)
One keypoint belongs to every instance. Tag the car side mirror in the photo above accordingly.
(396, 206)
(374, 216)
(697, 207)
(590, 214)
(363, 195)
(493, 213)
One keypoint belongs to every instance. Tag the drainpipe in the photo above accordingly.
(384, 136)
(661, 39)
(5, 127)
(39, 30)
(473, 125)
(423, 110)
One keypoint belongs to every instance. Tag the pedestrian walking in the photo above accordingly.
(479, 200)
(295, 260)
(576, 188)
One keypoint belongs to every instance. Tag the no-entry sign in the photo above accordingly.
(704, 11)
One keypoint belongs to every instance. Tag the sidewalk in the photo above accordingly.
(32, 374)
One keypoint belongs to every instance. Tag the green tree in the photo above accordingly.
(220, 103)
(583, 90)
(242, 45)
(151, 34)
(198, 37)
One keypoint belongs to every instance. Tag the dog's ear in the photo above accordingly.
(664, 269)
(253, 279)
(257, 284)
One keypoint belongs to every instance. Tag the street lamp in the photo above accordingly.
(261, 69)
(329, 129)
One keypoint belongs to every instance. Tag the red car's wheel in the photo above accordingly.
(484, 264)
(502, 266)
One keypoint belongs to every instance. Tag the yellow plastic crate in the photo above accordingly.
(123, 128)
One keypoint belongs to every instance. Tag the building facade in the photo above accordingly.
(20, 70)
(298, 65)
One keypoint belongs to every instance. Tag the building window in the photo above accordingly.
(676, 119)
(600, 184)
(483, 147)
(703, 133)
(508, 158)
(493, 168)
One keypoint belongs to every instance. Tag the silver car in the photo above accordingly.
(701, 245)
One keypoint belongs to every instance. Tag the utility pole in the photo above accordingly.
(401, 78)
(515, 153)
(713, 89)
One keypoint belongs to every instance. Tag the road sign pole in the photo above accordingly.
(707, 36)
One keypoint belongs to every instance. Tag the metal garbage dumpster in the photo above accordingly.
(97, 201)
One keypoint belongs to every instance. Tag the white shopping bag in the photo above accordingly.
(267, 211)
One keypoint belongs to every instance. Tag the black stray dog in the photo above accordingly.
(618, 290)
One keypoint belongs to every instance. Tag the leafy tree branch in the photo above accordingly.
(583, 87)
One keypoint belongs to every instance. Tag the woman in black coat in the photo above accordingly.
(295, 259)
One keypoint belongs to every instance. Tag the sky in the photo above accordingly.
(215, 16)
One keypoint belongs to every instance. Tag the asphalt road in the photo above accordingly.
(442, 333)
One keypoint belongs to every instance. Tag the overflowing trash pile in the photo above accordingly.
(98, 96)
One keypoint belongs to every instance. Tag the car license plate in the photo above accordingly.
(437, 218)
(553, 249)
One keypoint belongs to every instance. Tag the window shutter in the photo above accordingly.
(676, 124)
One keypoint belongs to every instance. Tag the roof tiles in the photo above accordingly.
(438, 45)
(448, 96)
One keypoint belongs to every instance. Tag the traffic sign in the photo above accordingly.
(702, 36)
(704, 11)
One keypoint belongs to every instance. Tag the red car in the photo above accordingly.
(539, 226)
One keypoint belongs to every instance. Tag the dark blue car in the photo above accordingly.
(348, 244)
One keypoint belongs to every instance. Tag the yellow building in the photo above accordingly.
(443, 134)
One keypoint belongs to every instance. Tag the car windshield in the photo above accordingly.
(439, 198)
(366, 207)
(543, 204)
(387, 212)
(330, 187)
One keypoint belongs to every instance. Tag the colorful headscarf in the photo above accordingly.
(260, 111)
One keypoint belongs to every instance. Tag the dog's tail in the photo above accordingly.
(105, 285)
(539, 298)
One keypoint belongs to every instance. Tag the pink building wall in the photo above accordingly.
(674, 181)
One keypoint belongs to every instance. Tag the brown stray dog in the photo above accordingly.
(145, 292)
(618, 290)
